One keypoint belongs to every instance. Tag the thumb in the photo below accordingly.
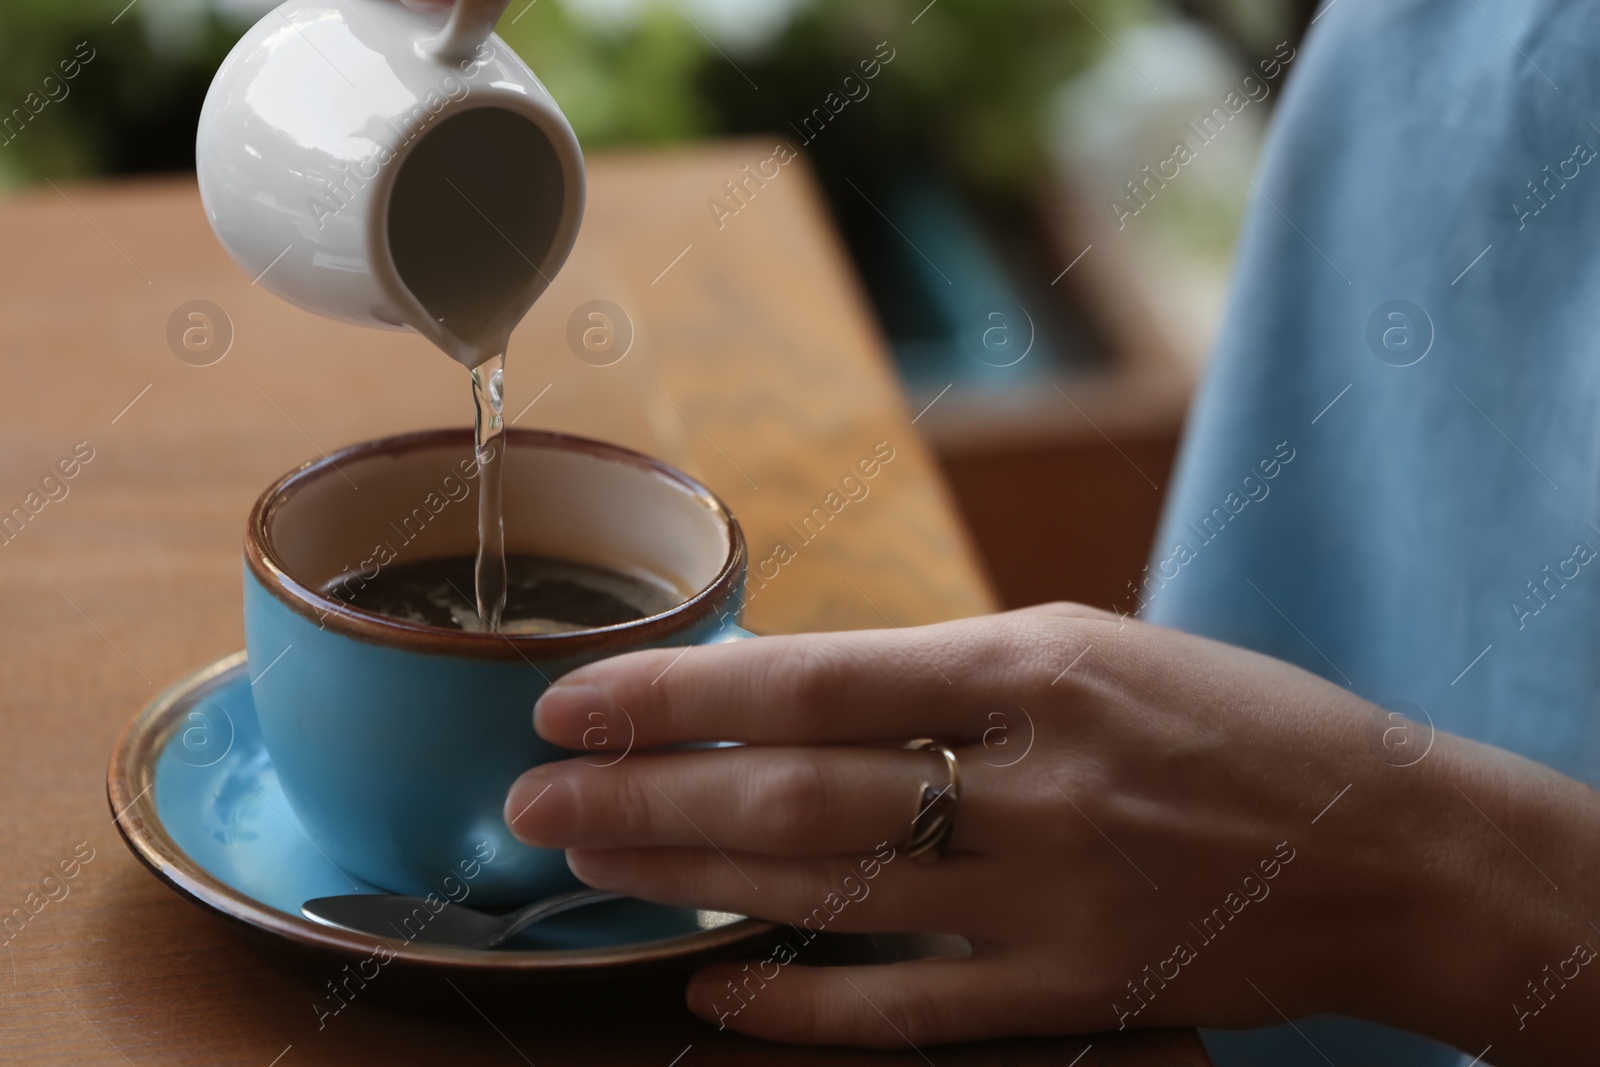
(921, 1002)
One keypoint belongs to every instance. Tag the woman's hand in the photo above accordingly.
(1154, 829)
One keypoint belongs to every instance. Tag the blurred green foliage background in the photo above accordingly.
(970, 77)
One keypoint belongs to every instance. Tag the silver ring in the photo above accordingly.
(934, 823)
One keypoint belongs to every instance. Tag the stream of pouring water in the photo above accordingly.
(474, 208)
(488, 404)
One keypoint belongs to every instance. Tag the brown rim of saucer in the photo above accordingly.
(415, 637)
(130, 789)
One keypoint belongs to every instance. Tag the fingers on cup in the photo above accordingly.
(804, 689)
(769, 801)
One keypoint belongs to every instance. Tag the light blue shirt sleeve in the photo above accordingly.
(1389, 475)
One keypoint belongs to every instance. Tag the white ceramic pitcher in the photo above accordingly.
(391, 167)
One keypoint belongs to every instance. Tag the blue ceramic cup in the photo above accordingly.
(396, 742)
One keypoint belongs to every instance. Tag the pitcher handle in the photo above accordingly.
(471, 23)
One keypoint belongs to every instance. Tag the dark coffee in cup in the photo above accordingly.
(544, 594)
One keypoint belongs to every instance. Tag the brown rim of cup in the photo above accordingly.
(367, 626)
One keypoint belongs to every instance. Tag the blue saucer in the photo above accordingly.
(196, 799)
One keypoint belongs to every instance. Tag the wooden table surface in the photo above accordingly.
(755, 366)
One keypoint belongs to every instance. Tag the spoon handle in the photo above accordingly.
(544, 909)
